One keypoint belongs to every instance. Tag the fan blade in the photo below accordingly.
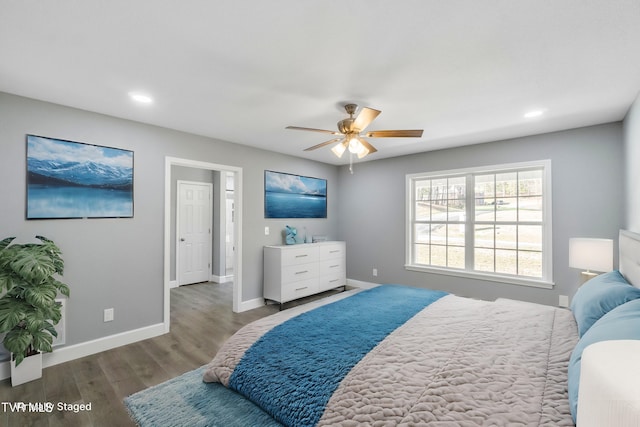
(416, 133)
(322, 144)
(368, 146)
(365, 117)
(332, 132)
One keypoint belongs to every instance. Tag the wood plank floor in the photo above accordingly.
(201, 321)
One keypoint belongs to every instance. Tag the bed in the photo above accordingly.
(398, 355)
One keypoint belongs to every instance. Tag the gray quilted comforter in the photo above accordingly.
(458, 362)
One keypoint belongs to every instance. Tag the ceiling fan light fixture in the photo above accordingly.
(363, 152)
(339, 149)
(354, 144)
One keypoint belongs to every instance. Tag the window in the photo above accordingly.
(492, 223)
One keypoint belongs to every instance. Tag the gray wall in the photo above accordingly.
(119, 262)
(632, 168)
(587, 180)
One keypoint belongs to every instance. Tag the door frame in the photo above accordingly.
(209, 186)
(237, 229)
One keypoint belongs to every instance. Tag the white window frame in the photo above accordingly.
(546, 281)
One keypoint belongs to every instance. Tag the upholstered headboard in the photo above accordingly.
(629, 256)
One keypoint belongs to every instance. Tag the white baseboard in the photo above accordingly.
(76, 351)
(251, 304)
(173, 284)
(222, 279)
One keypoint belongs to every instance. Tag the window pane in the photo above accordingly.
(485, 209)
(483, 260)
(421, 254)
(530, 237)
(530, 183)
(506, 184)
(456, 187)
(506, 237)
(455, 257)
(422, 204)
(439, 256)
(506, 262)
(421, 233)
(438, 190)
(530, 264)
(484, 186)
(484, 237)
(530, 208)
(456, 210)
(439, 211)
(507, 209)
(455, 235)
(438, 234)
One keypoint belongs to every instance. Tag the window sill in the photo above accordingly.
(520, 281)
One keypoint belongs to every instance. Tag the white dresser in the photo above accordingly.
(296, 271)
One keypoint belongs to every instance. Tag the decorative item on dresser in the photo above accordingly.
(296, 271)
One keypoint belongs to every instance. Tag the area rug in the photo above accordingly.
(188, 401)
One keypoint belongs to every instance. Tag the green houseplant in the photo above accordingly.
(28, 284)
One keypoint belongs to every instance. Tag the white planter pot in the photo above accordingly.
(30, 369)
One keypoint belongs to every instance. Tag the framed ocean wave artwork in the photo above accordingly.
(67, 179)
(294, 196)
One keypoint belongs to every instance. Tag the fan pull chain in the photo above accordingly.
(351, 162)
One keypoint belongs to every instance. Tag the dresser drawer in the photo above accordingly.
(332, 250)
(296, 273)
(291, 291)
(332, 266)
(331, 281)
(299, 255)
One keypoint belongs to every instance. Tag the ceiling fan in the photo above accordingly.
(352, 133)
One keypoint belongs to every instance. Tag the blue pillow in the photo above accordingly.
(600, 295)
(621, 323)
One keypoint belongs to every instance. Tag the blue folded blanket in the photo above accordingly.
(293, 370)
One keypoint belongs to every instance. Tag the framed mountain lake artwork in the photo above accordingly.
(67, 179)
(294, 196)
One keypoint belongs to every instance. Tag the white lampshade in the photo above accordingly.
(591, 254)
(339, 149)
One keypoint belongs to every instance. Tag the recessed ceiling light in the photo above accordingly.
(533, 113)
(141, 97)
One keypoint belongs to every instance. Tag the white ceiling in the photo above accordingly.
(241, 70)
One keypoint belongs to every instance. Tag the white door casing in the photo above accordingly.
(193, 232)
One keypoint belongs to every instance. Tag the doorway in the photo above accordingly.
(193, 231)
(237, 228)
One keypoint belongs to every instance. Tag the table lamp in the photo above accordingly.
(591, 254)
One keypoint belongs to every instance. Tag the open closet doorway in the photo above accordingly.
(227, 174)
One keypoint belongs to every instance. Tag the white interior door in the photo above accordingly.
(193, 232)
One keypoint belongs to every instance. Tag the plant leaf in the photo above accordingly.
(33, 266)
(17, 341)
(12, 312)
(42, 341)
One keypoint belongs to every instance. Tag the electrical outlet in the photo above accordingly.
(108, 314)
(375, 272)
(266, 231)
(563, 301)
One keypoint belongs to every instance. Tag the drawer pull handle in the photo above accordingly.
(302, 272)
(299, 289)
(331, 281)
(334, 266)
(333, 252)
(301, 256)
